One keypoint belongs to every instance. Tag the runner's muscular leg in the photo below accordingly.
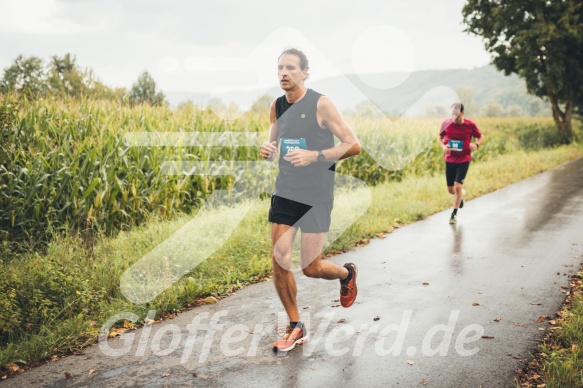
(282, 239)
(457, 199)
(311, 259)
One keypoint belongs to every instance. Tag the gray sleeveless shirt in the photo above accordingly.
(297, 127)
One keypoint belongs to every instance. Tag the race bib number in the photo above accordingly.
(456, 145)
(288, 145)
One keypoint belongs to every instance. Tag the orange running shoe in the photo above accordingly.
(292, 337)
(348, 290)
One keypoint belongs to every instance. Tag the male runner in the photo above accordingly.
(455, 137)
(303, 124)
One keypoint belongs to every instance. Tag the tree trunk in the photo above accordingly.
(563, 119)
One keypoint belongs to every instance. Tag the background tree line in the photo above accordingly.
(62, 76)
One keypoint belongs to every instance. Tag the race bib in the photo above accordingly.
(456, 145)
(288, 145)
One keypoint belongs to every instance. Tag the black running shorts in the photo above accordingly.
(456, 172)
(310, 219)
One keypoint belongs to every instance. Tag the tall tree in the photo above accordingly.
(65, 77)
(24, 75)
(144, 90)
(541, 41)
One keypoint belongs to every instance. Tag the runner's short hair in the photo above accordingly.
(458, 105)
(304, 64)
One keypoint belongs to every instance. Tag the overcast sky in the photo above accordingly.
(199, 46)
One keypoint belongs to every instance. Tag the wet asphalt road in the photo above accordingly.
(507, 258)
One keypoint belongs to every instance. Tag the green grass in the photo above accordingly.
(563, 362)
(558, 362)
(67, 293)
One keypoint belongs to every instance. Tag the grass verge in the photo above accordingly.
(558, 361)
(88, 276)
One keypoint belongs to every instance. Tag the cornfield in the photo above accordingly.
(68, 164)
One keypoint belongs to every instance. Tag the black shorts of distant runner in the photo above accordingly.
(456, 172)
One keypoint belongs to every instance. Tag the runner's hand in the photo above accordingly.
(268, 150)
(446, 150)
(473, 147)
(300, 158)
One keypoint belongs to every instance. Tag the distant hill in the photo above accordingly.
(484, 90)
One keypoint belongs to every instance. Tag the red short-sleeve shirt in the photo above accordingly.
(464, 132)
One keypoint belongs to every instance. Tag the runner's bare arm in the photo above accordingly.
(329, 117)
(269, 148)
(479, 141)
(443, 146)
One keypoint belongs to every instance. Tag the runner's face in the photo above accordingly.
(455, 113)
(289, 72)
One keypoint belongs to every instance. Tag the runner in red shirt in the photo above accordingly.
(455, 137)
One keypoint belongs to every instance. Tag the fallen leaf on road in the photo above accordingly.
(116, 331)
(92, 371)
(425, 283)
(210, 300)
(535, 304)
(497, 319)
(475, 304)
(68, 375)
(342, 320)
(376, 318)
(410, 362)
(487, 337)
(166, 374)
(553, 322)
(424, 382)
(542, 318)
(541, 329)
